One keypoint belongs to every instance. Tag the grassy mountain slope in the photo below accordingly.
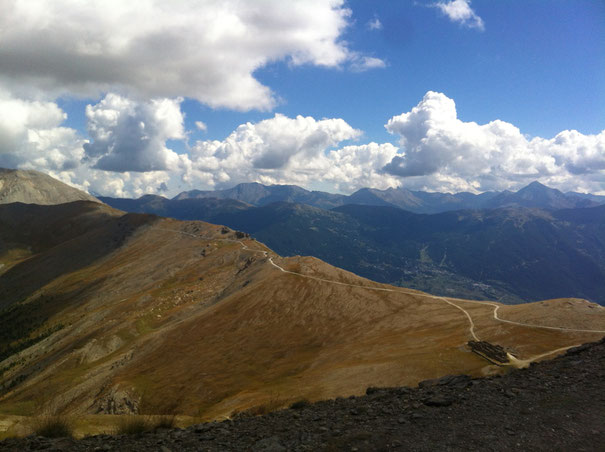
(154, 315)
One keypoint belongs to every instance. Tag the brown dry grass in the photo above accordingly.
(136, 425)
(52, 426)
(198, 336)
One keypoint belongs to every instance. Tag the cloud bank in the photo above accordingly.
(206, 50)
(127, 151)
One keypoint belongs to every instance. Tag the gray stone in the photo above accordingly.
(271, 444)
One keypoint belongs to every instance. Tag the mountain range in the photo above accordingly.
(535, 195)
(538, 244)
(107, 312)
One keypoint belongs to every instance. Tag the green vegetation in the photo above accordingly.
(144, 325)
(20, 320)
(7, 351)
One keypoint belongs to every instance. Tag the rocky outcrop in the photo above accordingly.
(492, 352)
(117, 401)
(97, 349)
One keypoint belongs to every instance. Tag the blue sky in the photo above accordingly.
(533, 69)
(538, 64)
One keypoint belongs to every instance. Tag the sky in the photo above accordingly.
(128, 98)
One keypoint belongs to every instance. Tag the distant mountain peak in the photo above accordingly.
(536, 184)
(538, 187)
(538, 195)
(245, 185)
(34, 187)
(152, 196)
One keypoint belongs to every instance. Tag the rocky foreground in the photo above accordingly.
(553, 405)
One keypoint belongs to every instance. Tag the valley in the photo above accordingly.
(509, 254)
(244, 327)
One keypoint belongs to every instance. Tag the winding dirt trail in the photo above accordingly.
(514, 361)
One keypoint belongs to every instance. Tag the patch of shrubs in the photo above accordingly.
(137, 425)
(52, 427)
(300, 404)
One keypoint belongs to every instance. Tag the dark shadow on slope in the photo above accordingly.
(65, 238)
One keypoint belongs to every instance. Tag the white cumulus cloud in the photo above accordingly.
(275, 150)
(353, 167)
(128, 151)
(460, 11)
(131, 136)
(300, 150)
(440, 151)
(32, 136)
(201, 49)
